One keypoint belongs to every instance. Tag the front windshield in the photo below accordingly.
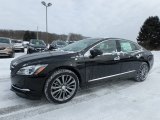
(38, 42)
(16, 41)
(3, 40)
(79, 45)
(61, 43)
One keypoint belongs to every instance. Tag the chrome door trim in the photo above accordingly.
(111, 76)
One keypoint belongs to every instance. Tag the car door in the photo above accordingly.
(130, 55)
(105, 65)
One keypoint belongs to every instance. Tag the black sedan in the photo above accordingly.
(57, 44)
(36, 46)
(58, 74)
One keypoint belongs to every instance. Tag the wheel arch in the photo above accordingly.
(71, 69)
(147, 63)
(145, 60)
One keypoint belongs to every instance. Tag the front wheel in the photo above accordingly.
(142, 72)
(12, 55)
(61, 86)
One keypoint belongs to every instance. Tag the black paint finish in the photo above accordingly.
(87, 68)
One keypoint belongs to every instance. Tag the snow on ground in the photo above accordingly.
(115, 100)
(5, 65)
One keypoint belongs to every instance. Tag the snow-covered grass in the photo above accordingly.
(115, 100)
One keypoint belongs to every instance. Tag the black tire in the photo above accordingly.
(12, 55)
(22, 50)
(54, 89)
(28, 52)
(142, 72)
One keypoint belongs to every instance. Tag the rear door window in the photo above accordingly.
(127, 46)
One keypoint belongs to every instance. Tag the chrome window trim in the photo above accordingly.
(87, 54)
(111, 76)
(131, 52)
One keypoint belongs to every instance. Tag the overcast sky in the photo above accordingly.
(94, 18)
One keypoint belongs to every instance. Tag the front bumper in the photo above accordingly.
(25, 93)
(28, 87)
(5, 53)
(36, 50)
(18, 48)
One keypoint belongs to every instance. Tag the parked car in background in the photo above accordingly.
(6, 47)
(57, 44)
(59, 74)
(18, 45)
(70, 42)
(36, 46)
(25, 44)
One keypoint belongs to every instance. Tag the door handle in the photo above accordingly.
(121, 52)
(117, 58)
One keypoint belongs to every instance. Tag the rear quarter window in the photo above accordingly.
(134, 47)
(127, 46)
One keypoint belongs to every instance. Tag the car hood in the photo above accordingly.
(36, 57)
(18, 44)
(60, 46)
(38, 46)
(4, 45)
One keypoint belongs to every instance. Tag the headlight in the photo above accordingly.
(30, 70)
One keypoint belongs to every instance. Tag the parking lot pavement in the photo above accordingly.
(114, 100)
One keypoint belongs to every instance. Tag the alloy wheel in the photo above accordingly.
(63, 87)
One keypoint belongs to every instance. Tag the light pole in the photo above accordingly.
(46, 5)
(37, 33)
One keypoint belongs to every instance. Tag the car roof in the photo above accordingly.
(5, 38)
(58, 41)
(102, 39)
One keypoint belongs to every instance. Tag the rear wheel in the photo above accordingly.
(61, 86)
(142, 73)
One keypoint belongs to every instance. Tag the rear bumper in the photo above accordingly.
(151, 61)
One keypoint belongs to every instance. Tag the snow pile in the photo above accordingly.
(115, 100)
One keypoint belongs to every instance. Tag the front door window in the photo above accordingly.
(107, 46)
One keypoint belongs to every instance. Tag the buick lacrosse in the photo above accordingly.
(59, 74)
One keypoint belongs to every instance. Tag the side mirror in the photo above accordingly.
(95, 52)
